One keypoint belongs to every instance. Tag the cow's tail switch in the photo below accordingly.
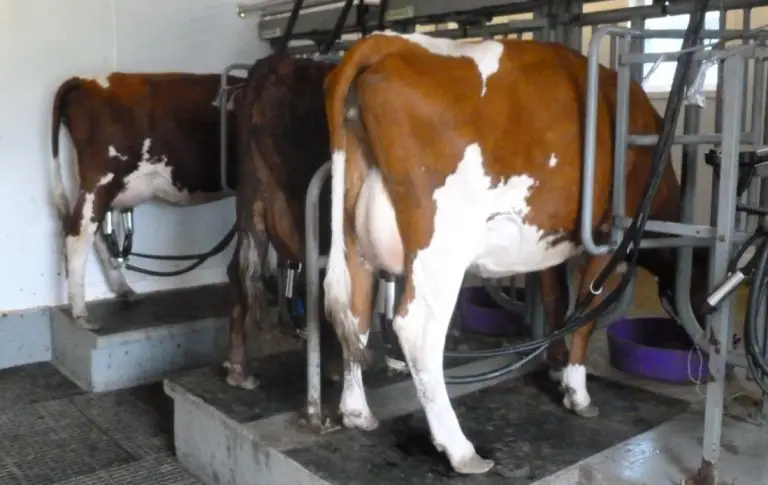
(337, 284)
(59, 106)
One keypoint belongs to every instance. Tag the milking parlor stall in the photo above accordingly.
(180, 175)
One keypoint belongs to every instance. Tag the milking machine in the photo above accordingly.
(120, 247)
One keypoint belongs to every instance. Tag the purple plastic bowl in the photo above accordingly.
(480, 314)
(655, 348)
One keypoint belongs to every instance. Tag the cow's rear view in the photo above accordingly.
(136, 137)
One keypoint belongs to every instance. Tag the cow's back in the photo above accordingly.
(168, 116)
(526, 115)
(283, 118)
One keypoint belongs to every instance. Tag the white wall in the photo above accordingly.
(42, 42)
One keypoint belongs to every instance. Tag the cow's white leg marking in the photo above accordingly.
(77, 255)
(574, 383)
(486, 54)
(354, 405)
(115, 278)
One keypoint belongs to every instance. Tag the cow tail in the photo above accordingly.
(59, 105)
(337, 284)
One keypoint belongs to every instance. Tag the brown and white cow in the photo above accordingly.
(283, 137)
(137, 136)
(466, 156)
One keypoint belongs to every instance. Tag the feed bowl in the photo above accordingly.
(480, 314)
(655, 348)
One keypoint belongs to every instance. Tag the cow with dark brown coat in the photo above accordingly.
(450, 157)
(137, 137)
(283, 138)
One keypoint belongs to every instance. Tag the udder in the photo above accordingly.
(376, 228)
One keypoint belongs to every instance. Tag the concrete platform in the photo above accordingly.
(225, 436)
(144, 341)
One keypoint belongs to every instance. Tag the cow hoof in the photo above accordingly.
(86, 323)
(474, 465)
(589, 411)
(249, 383)
(127, 295)
(359, 420)
(236, 377)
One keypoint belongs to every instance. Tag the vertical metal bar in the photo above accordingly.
(223, 130)
(637, 45)
(688, 176)
(725, 206)
(764, 105)
(758, 102)
(574, 31)
(745, 26)
(745, 221)
(312, 277)
(621, 131)
(719, 88)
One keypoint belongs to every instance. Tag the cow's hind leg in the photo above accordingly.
(244, 279)
(574, 376)
(354, 409)
(431, 289)
(79, 230)
(554, 296)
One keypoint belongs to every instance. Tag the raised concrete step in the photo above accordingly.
(145, 341)
(228, 436)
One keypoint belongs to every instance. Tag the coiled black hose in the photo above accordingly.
(755, 345)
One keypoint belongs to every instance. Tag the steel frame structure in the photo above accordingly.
(741, 68)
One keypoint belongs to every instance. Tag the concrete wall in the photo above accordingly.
(42, 42)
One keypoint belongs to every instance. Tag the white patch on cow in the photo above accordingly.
(153, 179)
(378, 236)
(552, 160)
(77, 253)
(575, 385)
(486, 54)
(354, 405)
(100, 79)
(113, 153)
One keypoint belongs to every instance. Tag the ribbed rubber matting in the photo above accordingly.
(51, 433)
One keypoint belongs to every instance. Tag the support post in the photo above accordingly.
(725, 208)
(314, 412)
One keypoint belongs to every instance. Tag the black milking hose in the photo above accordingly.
(753, 346)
